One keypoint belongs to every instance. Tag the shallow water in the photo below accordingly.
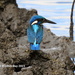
(56, 10)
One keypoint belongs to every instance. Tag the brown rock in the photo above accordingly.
(2, 28)
(50, 62)
(3, 3)
(7, 40)
(17, 19)
(52, 59)
(1, 69)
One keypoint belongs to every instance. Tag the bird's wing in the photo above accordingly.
(39, 35)
(31, 35)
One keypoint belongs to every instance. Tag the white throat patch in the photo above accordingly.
(34, 22)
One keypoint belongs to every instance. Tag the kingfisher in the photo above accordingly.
(35, 31)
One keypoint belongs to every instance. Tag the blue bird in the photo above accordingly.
(35, 31)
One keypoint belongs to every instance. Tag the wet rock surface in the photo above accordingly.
(52, 59)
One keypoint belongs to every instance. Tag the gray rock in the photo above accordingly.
(3, 3)
(7, 40)
(52, 59)
(52, 62)
(56, 52)
(17, 19)
(1, 69)
(2, 28)
(26, 71)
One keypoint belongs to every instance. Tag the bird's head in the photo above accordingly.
(39, 20)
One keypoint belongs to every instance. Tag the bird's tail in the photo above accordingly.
(35, 46)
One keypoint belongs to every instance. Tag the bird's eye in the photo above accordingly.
(34, 22)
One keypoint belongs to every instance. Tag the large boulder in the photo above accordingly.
(13, 23)
(52, 59)
(17, 20)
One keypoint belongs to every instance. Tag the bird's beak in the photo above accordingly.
(48, 21)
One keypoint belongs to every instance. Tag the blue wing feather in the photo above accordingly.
(31, 35)
(39, 35)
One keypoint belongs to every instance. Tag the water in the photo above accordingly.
(56, 10)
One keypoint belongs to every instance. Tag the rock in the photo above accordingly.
(26, 71)
(19, 53)
(53, 63)
(7, 40)
(2, 28)
(50, 62)
(52, 59)
(57, 55)
(50, 40)
(3, 3)
(1, 69)
(17, 19)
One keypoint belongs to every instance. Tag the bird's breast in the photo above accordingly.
(35, 28)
